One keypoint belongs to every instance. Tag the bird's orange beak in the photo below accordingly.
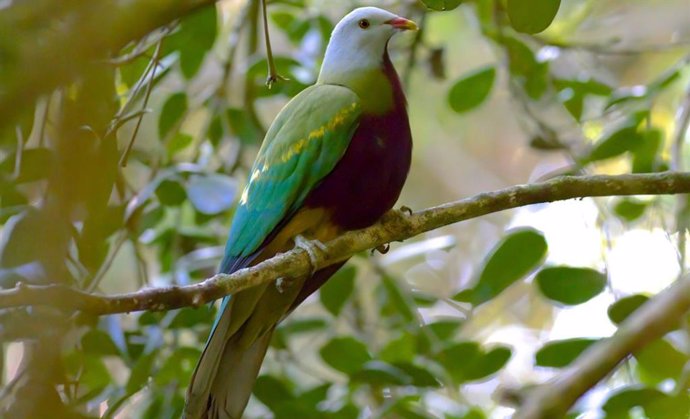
(403, 24)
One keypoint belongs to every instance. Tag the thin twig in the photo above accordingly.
(394, 226)
(149, 88)
(682, 122)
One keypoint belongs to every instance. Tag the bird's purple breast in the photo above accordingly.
(368, 179)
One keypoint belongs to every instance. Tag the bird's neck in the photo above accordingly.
(378, 87)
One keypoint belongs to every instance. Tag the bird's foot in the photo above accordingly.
(314, 249)
(383, 249)
(406, 210)
(283, 284)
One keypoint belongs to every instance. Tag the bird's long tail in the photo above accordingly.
(225, 375)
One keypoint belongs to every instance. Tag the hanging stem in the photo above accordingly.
(273, 75)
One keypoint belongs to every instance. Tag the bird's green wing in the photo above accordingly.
(303, 145)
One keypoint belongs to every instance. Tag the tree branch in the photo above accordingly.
(45, 44)
(394, 226)
(653, 320)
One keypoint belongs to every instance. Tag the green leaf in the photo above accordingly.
(170, 193)
(194, 39)
(397, 299)
(178, 367)
(298, 326)
(444, 329)
(621, 309)
(243, 126)
(645, 155)
(661, 360)
(345, 354)
(172, 112)
(625, 139)
(98, 342)
(560, 353)
(140, 372)
(272, 392)
(213, 193)
(178, 143)
(420, 376)
(401, 349)
(621, 401)
(35, 164)
(532, 75)
(471, 90)
(570, 286)
(629, 209)
(532, 16)
(442, 5)
(381, 373)
(488, 364)
(94, 373)
(466, 361)
(518, 254)
(337, 290)
(189, 317)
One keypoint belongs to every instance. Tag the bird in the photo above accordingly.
(334, 159)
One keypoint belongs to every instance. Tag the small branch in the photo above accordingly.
(394, 226)
(653, 320)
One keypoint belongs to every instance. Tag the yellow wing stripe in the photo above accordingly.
(339, 119)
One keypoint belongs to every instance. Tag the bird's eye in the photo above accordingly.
(364, 23)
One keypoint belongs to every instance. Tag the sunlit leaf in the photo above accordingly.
(194, 39)
(568, 285)
(178, 143)
(442, 5)
(466, 361)
(518, 254)
(401, 349)
(345, 354)
(625, 139)
(560, 353)
(472, 89)
(621, 309)
(532, 16)
(629, 209)
(660, 360)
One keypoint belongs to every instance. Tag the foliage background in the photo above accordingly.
(450, 325)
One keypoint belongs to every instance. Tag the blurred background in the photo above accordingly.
(126, 177)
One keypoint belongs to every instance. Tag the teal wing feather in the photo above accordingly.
(303, 145)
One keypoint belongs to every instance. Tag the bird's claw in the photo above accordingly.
(282, 284)
(383, 249)
(314, 249)
(406, 210)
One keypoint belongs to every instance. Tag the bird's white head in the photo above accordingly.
(358, 43)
